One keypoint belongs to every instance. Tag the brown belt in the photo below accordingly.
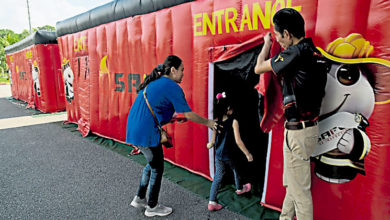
(299, 125)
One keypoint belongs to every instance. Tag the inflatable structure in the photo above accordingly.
(35, 73)
(107, 51)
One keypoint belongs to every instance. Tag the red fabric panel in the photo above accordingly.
(275, 190)
(95, 77)
(339, 18)
(23, 79)
(270, 88)
(52, 94)
(45, 59)
(229, 51)
(112, 128)
(198, 98)
(105, 80)
(65, 44)
(148, 41)
(123, 65)
(182, 47)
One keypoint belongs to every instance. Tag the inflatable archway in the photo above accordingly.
(107, 51)
(34, 64)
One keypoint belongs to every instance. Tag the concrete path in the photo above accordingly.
(5, 90)
(13, 122)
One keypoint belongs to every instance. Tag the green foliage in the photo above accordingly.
(8, 37)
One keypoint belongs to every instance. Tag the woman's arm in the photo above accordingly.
(192, 116)
(239, 141)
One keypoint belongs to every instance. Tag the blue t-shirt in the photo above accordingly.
(165, 97)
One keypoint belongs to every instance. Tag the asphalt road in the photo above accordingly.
(48, 172)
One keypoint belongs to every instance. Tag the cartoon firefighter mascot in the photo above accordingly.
(35, 76)
(68, 80)
(348, 104)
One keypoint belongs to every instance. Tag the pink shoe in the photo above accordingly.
(246, 188)
(213, 206)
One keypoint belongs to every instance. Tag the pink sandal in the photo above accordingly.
(213, 206)
(246, 188)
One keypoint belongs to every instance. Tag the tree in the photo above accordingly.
(46, 27)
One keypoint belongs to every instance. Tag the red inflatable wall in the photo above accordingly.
(36, 77)
(104, 65)
(365, 196)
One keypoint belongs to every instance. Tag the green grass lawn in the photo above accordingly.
(3, 80)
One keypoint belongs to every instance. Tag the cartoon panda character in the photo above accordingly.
(35, 76)
(348, 103)
(10, 77)
(68, 80)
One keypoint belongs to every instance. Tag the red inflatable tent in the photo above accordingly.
(34, 65)
(106, 53)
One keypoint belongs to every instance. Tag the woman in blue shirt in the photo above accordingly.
(165, 97)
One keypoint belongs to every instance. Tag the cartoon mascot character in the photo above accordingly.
(35, 76)
(348, 104)
(68, 80)
(10, 77)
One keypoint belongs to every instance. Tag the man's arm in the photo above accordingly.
(263, 65)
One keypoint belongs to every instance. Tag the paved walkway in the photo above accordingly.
(5, 123)
(48, 172)
(5, 90)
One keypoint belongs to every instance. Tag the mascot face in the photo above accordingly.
(348, 90)
(35, 76)
(68, 80)
(10, 77)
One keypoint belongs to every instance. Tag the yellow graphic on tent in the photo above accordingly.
(103, 72)
(103, 66)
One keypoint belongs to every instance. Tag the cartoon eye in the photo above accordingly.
(348, 74)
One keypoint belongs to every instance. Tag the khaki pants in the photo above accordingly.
(297, 147)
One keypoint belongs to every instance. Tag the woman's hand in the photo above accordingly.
(192, 116)
(212, 124)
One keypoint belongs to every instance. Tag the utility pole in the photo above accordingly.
(29, 19)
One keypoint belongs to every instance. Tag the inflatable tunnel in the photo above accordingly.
(35, 72)
(106, 53)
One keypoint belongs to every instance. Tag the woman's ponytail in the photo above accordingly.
(160, 70)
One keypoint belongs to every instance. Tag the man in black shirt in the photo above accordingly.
(303, 86)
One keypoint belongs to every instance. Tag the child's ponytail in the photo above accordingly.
(222, 104)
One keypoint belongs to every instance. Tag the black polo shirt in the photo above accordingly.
(299, 70)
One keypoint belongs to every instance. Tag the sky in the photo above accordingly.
(14, 16)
